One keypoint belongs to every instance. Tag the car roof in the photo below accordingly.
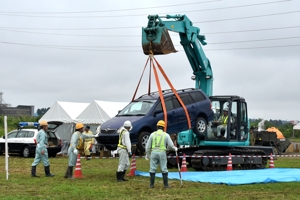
(25, 129)
(166, 93)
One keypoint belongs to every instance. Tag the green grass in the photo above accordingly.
(99, 182)
(295, 139)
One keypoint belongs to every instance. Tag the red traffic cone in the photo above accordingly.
(183, 165)
(271, 165)
(132, 167)
(229, 164)
(78, 173)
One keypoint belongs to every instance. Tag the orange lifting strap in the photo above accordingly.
(152, 64)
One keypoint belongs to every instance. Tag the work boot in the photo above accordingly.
(70, 175)
(165, 178)
(67, 172)
(47, 171)
(119, 176)
(123, 174)
(33, 171)
(152, 179)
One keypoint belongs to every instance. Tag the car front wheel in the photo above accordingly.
(143, 139)
(26, 152)
(200, 126)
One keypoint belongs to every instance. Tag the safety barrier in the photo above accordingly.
(187, 156)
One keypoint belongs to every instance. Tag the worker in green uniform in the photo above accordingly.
(76, 141)
(156, 147)
(41, 153)
(223, 123)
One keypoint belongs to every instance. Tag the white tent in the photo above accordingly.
(93, 114)
(65, 112)
(296, 127)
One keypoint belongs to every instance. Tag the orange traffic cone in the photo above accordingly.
(271, 165)
(183, 165)
(229, 164)
(78, 173)
(132, 167)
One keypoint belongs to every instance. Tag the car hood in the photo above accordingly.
(117, 122)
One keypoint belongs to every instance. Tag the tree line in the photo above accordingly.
(285, 127)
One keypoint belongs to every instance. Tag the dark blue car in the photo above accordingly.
(145, 111)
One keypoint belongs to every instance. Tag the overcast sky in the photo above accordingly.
(80, 51)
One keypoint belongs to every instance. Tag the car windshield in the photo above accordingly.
(137, 108)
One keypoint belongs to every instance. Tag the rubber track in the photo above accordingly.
(233, 152)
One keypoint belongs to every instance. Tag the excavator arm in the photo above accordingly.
(157, 41)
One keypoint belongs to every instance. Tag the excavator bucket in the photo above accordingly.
(157, 40)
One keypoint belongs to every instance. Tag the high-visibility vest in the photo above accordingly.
(158, 141)
(224, 120)
(120, 139)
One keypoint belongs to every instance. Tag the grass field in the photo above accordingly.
(295, 139)
(100, 183)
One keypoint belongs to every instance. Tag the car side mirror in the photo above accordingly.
(3, 136)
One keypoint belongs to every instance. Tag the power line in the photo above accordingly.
(245, 48)
(61, 34)
(213, 43)
(237, 18)
(71, 29)
(260, 40)
(119, 10)
(114, 50)
(229, 42)
(253, 30)
(208, 33)
(129, 27)
(134, 15)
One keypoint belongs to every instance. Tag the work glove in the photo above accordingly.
(75, 151)
(175, 149)
(147, 157)
(130, 154)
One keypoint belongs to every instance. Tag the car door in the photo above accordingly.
(20, 140)
(171, 115)
(11, 138)
(191, 108)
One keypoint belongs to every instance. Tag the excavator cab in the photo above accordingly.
(235, 126)
(156, 39)
(232, 132)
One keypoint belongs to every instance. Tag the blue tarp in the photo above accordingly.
(236, 177)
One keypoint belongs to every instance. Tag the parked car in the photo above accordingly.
(23, 141)
(145, 111)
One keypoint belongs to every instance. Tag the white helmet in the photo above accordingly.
(127, 124)
(225, 109)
